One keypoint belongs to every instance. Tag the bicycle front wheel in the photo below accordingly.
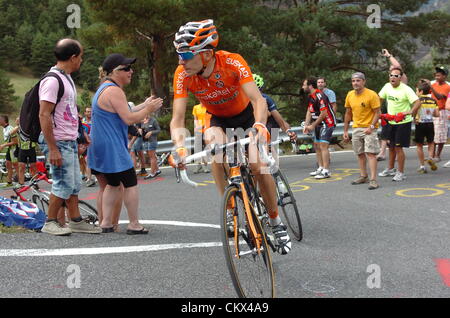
(41, 203)
(87, 211)
(286, 200)
(250, 268)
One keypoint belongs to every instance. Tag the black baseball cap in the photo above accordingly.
(441, 69)
(114, 60)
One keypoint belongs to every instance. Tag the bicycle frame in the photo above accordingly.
(235, 178)
(34, 186)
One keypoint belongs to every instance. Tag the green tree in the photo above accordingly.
(7, 98)
(151, 33)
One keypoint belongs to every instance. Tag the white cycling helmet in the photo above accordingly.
(196, 36)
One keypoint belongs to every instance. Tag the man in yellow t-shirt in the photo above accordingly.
(201, 123)
(362, 105)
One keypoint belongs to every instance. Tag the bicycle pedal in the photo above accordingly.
(271, 241)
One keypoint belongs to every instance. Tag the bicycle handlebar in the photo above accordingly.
(269, 160)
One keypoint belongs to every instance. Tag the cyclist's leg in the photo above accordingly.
(215, 135)
(265, 182)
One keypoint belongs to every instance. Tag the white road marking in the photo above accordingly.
(175, 223)
(118, 249)
(102, 250)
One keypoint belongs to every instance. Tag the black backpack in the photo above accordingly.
(30, 126)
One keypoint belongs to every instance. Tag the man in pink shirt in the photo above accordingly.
(59, 124)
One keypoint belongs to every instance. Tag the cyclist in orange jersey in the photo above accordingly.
(223, 83)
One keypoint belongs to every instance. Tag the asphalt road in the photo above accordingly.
(390, 242)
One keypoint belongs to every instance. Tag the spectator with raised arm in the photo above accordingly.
(385, 130)
(108, 154)
(402, 101)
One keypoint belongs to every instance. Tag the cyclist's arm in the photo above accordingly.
(258, 101)
(177, 126)
(280, 120)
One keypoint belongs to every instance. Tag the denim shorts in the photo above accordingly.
(137, 146)
(67, 178)
(148, 146)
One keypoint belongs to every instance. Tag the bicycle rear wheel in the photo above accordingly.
(87, 211)
(251, 271)
(286, 200)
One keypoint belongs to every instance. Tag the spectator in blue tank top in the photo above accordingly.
(108, 154)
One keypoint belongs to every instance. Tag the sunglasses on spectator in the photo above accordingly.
(125, 69)
(395, 75)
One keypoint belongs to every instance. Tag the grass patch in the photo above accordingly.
(13, 229)
(22, 83)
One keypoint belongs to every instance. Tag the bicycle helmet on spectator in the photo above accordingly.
(195, 37)
(258, 80)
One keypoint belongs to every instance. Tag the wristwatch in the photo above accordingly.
(372, 127)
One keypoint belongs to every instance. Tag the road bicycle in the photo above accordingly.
(245, 232)
(41, 198)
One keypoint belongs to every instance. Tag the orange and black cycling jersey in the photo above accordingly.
(222, 92)
(318, 102)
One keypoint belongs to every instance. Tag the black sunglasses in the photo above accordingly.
(125, 69)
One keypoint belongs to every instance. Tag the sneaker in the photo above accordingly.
(283, 241)
(446, 165)
(381, 158)
(315, 173)
(323, 175)
(84, 227)
(399, 176)
(142, 173)
(7, 185)
(54, 228)
(388, 172)
(151, 175)
(360, 180)
(436, 159)
(432, 164)
(205, 169)
(422, 169)
(373, 185)
(91, 183)
(198, 170)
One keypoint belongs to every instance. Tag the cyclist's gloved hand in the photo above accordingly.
(178, 157)
(263, 133)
